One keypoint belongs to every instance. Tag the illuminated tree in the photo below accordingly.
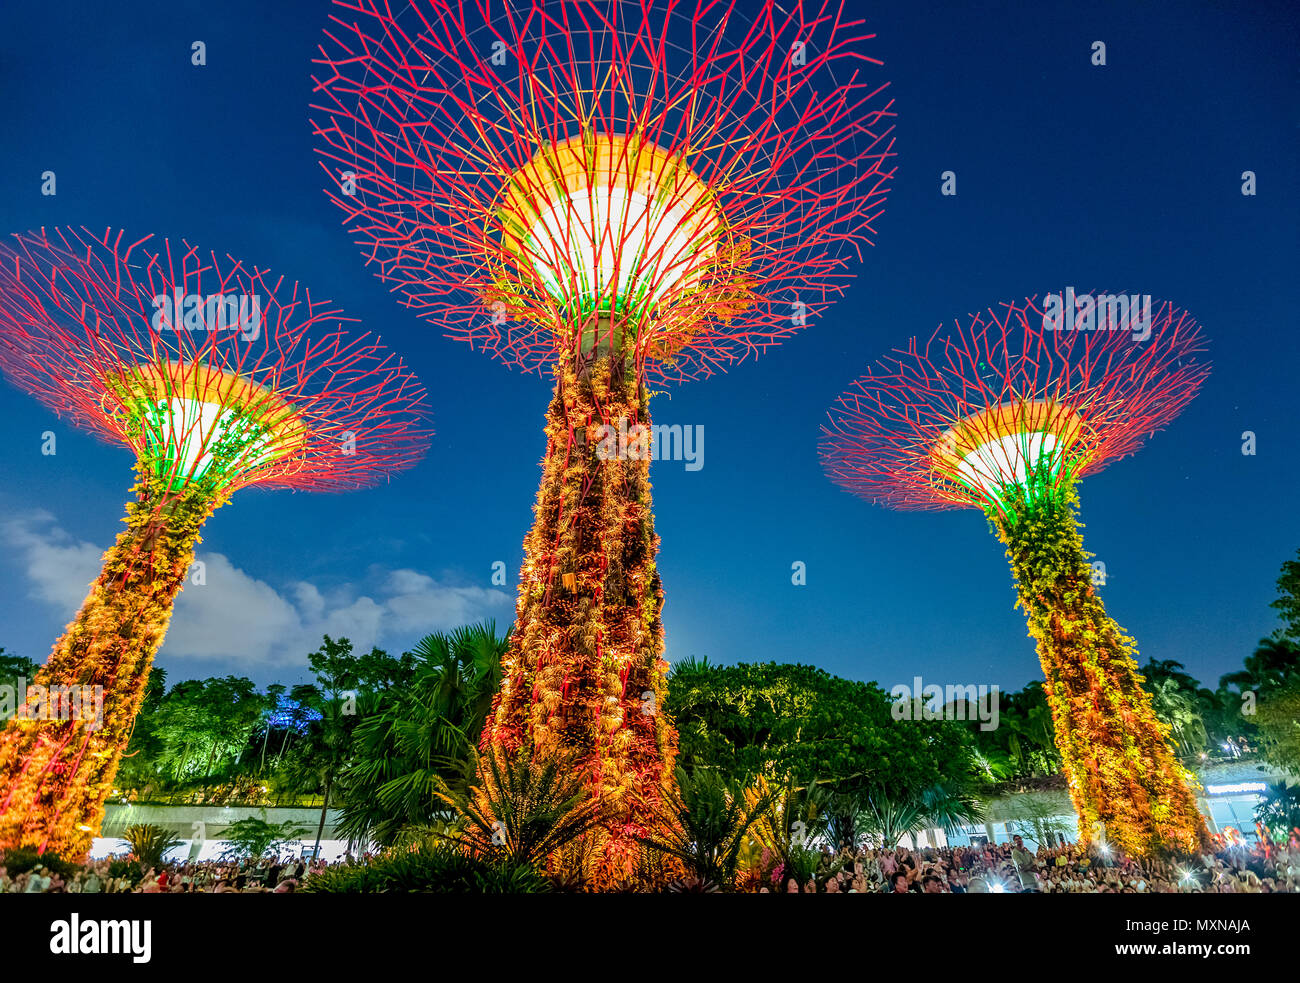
(217, 376)
(619, 192)
(1005, 413)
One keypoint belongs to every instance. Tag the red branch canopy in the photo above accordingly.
(519, 171)
(1075, 384)
(203, 363)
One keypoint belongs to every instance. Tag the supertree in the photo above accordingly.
(1005, 413)
(622, 192)
(217, 376)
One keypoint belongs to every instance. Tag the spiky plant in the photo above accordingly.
(704, 822)
(150, 843)
(523, 807)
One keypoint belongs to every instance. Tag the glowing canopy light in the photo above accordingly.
(186, 437)
(923, 429)
(1007, 461)
(1021, 447)
(609, 224)
(199, 424)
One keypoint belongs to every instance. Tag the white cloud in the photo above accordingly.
(60, 569)
(246, 623)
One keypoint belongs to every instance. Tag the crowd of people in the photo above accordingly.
(267, 875)
(1068, 868)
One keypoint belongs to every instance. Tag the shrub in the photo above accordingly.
(19, 860)
(130, 869)
(440, 869)
(522, 810)
(703, 822)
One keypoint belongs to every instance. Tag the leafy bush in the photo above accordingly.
(22, 859)
(130, 869)
(440, 869)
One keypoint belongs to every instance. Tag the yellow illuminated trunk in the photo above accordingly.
(1122, 773)
(56, 770)
(584, 676)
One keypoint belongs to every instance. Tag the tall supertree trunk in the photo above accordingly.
(584, 677)
(55, 774)
(1121, 770)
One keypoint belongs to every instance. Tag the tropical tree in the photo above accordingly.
(888, 814)
(1038, 820)
(414, 736)
(330, 713)
(14, 668)
(796, 817)
(252, 837)
(1273, 664)
(1176, 700)
(1277, 719)
(774, 722)
(1023, 744)
(1278, 809)
(203, 726)
(1288, 600)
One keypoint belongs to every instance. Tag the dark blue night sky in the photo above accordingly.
(1126, 176)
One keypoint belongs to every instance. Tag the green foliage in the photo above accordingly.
(22, 859)
(888, 813)
(770, 721)
(417, 735)
(121, 867)
(1024, 743)
(252, 838)
(1038, 820)
(703, 822)
(1177, 704)
(1288, 601)
(440, 869)
(1231, 710)
(793, 819)
(1271, 666)
(150, 843)
(1279, 809)
(522, 808)
(193, 734)
(15, 667)
(1277, 719)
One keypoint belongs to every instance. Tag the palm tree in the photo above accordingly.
(1175, 707)
(1157, 670)
(150, 843)
(889, 815)
(1273, 662)
(416, 736)
(273, 694)
(794, 817)
(317, 759)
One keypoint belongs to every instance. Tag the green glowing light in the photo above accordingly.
(190, 441)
